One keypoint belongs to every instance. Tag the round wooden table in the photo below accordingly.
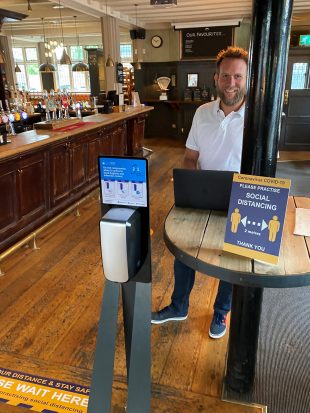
(196, 238)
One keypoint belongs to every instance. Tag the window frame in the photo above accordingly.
(25, 62)
(73, 89)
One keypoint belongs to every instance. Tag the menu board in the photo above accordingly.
(206, 42)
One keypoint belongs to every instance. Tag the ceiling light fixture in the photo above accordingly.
(80, 66)
(163, 3)
(65, 58)
(110, 61)
(213, 23)
(46, 67)
(29, 8)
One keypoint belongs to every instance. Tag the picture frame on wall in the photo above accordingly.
(192, 79)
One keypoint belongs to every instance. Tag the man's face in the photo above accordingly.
(230, 81)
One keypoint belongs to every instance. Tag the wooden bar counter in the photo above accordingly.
(43, 172)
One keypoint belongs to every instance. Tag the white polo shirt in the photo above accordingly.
(217, 138)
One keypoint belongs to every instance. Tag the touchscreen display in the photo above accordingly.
(123, 181)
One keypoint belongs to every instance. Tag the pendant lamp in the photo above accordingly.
(137, 64)
(17, 69)
(80, 66)
(65, 58)
(110, 61)
(46, 67)
(2, 57)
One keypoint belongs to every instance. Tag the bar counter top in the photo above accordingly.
(29, 140)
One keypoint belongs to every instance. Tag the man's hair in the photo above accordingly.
(231, 53)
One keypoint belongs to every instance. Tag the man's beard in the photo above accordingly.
(241, 92)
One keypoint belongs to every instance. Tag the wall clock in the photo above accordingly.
(156, 41)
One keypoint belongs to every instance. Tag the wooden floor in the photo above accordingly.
(50, 301)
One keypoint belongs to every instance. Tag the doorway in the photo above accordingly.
(295, 127)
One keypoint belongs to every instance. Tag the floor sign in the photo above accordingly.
(256, 216)
(42, 394)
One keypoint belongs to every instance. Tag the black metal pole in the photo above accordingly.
(245, 316)
(266, 81)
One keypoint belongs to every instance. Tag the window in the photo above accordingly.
(300, 76)
(29, 77)
(72, 81)
(126, 52)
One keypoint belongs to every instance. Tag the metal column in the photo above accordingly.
(266, 80)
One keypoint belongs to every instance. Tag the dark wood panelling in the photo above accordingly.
(31, 186)
(146, 78)
(37, 186)
(78, 162)
(8, 204)
(172, 118)
(59, 173)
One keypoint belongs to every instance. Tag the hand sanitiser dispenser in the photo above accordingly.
(126, 257)
(120, 235)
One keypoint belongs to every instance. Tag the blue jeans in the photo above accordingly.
(184, 278)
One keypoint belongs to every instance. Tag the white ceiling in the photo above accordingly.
(88, 14)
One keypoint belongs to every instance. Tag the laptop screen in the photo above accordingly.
(202, 189)
(123, 181)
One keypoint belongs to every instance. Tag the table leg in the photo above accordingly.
(243, 337)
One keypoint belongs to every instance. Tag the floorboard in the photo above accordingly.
(50, 301)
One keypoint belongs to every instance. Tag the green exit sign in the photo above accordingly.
(304, 40)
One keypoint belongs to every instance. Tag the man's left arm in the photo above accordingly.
(190, 159)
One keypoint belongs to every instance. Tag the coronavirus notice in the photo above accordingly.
(256, 216)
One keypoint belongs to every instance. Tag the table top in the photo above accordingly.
(196, 238)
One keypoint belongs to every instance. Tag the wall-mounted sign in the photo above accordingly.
(206, 42)
(256, 216)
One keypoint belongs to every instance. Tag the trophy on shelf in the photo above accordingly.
(163, 83)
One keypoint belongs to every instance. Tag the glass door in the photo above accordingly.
(295, 133)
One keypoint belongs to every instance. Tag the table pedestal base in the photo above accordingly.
(243, 337)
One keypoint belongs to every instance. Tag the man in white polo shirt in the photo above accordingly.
(214, 142)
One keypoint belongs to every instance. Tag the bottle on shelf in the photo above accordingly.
(205, 93)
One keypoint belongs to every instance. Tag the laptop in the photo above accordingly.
(202, 189)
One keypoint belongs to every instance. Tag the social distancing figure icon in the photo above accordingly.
(274, 227)
(235, 219)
